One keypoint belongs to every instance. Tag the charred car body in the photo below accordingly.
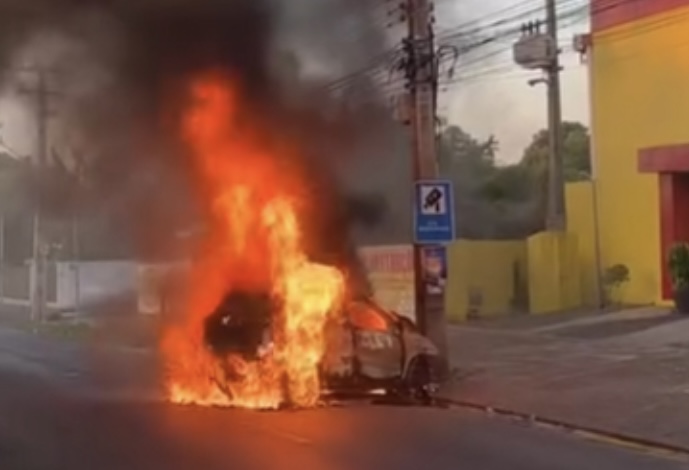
(368, 348)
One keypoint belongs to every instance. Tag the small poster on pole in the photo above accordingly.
(435, 269)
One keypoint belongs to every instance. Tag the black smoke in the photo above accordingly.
(124, 65)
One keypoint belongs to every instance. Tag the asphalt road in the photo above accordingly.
(56, 412)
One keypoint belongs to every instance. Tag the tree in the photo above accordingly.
(499, 202)
(576, 152)
(459, 152)
(511, 183)
(481, 212)
(12, 172)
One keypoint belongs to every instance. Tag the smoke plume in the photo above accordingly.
(121, 68)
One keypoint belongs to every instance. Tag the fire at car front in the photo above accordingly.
(266, 351)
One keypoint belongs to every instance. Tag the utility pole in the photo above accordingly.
(2, 256)
(537, 50)
(422, 74)
(76, 244)
(42, 94)
(556, 209)
(423, 88)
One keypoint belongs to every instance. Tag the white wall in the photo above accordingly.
(97, 280)
(390, 269)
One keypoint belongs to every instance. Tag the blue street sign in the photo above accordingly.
(434, 214)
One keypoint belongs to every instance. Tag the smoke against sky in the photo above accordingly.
(330, 38)
(514, 128)
(123, 67)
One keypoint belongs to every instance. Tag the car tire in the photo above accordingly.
(419, 379)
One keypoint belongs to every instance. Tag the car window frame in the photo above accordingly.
(390, 319)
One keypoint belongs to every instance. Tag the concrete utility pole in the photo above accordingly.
(430, 308)
(42, 94)
(556, 190)
(536, 50)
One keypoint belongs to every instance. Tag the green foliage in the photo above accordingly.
(509, 183)
(576, 152)
(13, 183)
(616, 275)
(505, 201)
(491, 200)
(459, 151)
(613, 278)
(678, 265)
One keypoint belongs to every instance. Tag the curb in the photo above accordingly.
(622, 439)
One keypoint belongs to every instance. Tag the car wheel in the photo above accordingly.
(418, 380)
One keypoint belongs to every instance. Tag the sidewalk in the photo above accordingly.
(113, 322)
(624, 373)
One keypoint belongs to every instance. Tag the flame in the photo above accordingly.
(255, 242)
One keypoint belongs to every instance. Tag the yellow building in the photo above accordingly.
(639, 62)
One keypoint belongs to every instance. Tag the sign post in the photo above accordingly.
(434, 227)
(434, 221)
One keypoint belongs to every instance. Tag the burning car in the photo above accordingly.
(272, 313)
(367, 347)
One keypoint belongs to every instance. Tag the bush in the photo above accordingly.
(678, 265)
(613, 278)
(616, 275)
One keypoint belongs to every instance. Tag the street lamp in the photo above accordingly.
(538, 81)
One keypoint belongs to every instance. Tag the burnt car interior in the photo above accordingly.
(240, 323)
(242, 319)
(366, 314)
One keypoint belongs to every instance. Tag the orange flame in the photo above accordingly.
(254, 242)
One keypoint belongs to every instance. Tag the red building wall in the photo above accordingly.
(610, 13)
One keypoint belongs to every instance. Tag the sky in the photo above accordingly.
(495, 98)
(488, 95)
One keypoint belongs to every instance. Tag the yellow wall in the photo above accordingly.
(487, 267)
(581, 223)
(553, 270)
(640, 91)
(548, 272)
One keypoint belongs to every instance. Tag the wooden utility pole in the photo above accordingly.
(429, 307)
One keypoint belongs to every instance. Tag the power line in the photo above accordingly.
(462, 31)
(477, 27)
(570, 13)
(506, 33)
(498, 13)
(641, 29)
(384, 59)
(378, 71)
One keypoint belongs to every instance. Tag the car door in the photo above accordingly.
(339, 353)
(377, 344)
